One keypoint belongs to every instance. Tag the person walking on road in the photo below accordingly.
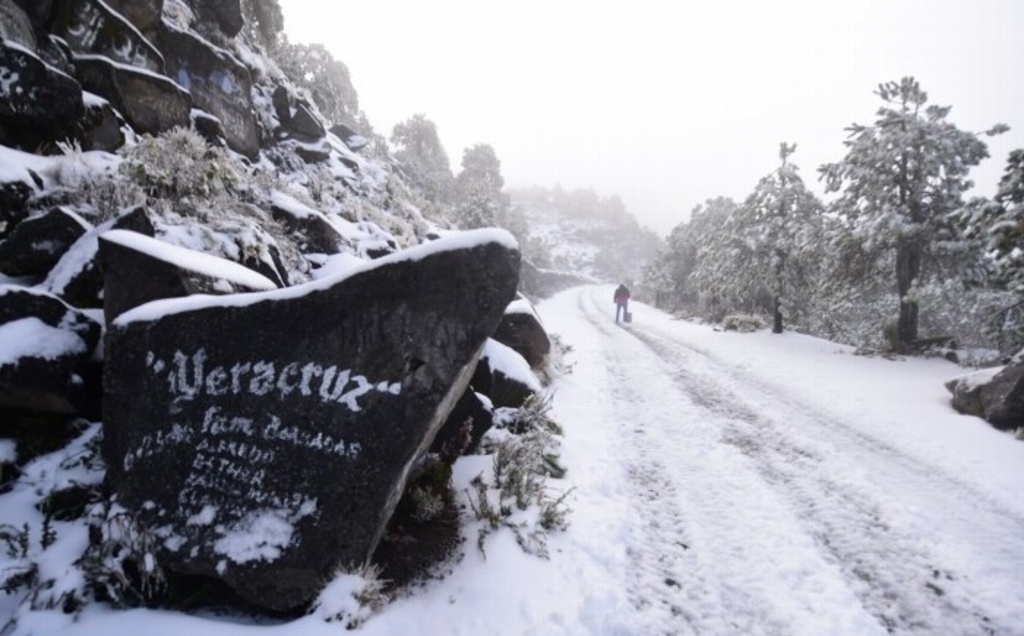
(621, 303)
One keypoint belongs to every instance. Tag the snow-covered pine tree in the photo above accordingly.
(994, 232)
(782, 224)
(900, 177)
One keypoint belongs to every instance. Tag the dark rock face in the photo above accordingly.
(465, 426)
(1003, 398)
(209, 127)
(219, 84)
(37, 243)
(304, 125)
(144, 14)
(100, 127)
(38, 10)
(226, 13)
(522, 330)
(38, 103)
(16, 26)
(50, 369)
(78, 276)
(151, 103)
(1000, 400)
(91, 27)
(273, 433)
(139, 269)
(349, 137)
(319, 234)
(14, 196)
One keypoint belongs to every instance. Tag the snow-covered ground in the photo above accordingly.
(724, 483)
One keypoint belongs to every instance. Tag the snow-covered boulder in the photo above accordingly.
(151, 103)
(522, 329)
(349, 137)
(46, 353)
(138, 269)
(37, 101)
(265, 439)
(504, 376)
(38, 242)
(78, 275)
(997, 395)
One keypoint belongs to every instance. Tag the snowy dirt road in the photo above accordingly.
(752, 509)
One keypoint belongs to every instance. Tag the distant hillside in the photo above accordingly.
(585, 234)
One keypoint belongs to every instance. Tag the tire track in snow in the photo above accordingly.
(898, 575)
(658, 554)
(678, 587)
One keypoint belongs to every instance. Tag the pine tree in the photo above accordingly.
(782, 225)
(900, 178)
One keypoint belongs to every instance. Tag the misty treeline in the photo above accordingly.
(896, 260)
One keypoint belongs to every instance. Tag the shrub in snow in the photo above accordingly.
(120, 563)
(351, 597)
(179, 164)
(515, 496)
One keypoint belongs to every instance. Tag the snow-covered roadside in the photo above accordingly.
(723, 484)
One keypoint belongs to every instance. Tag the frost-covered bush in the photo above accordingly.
(744, 323)
(515, 496)
(179, 164)
(350, 598)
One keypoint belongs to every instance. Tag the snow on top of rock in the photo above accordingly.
(507, 360)
(450, 242)
(190, 259)
(33, 338)
(522, 306)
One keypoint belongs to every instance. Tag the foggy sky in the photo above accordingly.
(669, 103)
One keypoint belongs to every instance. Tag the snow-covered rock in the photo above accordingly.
(266, 438)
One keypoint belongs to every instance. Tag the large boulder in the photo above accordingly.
(317, 233)
(38, 242)
(522, 330)
(218, 82)
(46, 360)
(92, 27)
(266, 438)
(77, 277)
(350, 138)
(504, 376)
(151, 103)
(101, 126)
(997, 395)
(138, 269)
(38, 103)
